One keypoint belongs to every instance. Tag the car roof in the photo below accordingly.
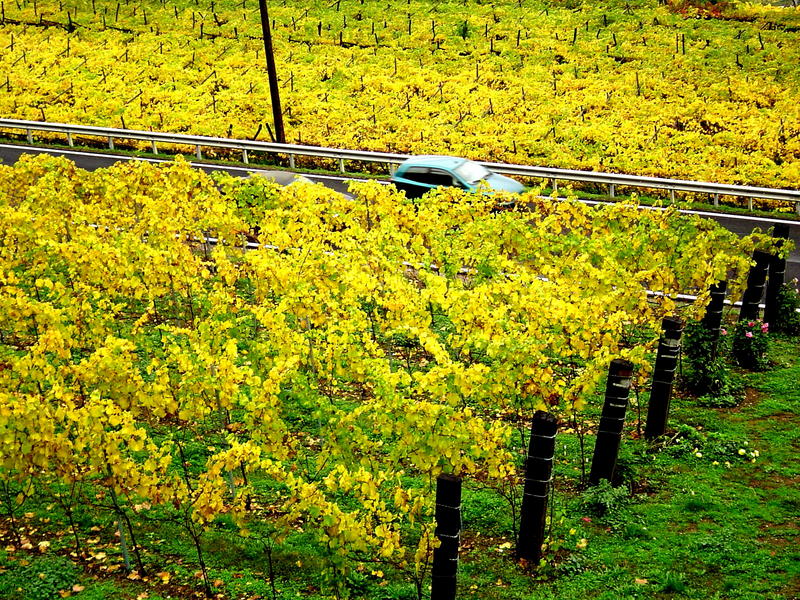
(431, 160)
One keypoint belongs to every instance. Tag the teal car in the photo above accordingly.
(421, 174)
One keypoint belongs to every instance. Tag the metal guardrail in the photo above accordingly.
(611, 180)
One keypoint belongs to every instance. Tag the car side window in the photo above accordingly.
(437, 177)
(417, 175)
(429, 176)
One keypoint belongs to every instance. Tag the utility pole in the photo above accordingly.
(274, 93)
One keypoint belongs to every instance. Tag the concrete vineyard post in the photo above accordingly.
(612, 419)
(712, 319)
(538, 477)
(776, 276)
(669, 347)
(756, 279)
(448, 529)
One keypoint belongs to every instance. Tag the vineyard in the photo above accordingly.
(637, 87)
(303, 380)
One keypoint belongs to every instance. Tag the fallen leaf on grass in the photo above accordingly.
(78, 588)
(641, 581)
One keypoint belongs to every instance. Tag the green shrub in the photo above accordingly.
(787, 319)
(605, 500)
(750, 342)
(707, 373)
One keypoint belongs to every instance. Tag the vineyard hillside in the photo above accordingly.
(702, 92)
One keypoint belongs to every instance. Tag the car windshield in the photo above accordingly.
(472, 172)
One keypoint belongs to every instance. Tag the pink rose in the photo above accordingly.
(750, 324)
(723, 331)
(765, 328)
(748, 334)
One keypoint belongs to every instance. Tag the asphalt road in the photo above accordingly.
(741, 225)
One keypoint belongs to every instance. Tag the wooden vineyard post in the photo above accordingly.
(777, 273)
(448, 529)
(609, 431)
(756, 279)
(538, 475)
(712, 319)
(669, 347)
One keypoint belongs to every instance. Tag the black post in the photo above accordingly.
(538, 474)
(712, 319)
(669, 347)
(777, 273)
(448, 530)
(274, 92)
(609, 431)
(756, 279)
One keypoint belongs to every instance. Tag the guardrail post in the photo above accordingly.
(341, 165)
(756, 279)
(448, 529)
(777, 273)
(291, 161)
(244, 156)
(29, 135)
(611, 189)
(110, 143)
(197, 152)
(672, 196)
(669, 347)
(749, 203)
(538, 475)
(69, 139)
(393, 168)
(609, 430)
(155, 148)
(716, 199)
(555, 186)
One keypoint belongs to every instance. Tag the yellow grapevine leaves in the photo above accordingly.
(322, 385)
